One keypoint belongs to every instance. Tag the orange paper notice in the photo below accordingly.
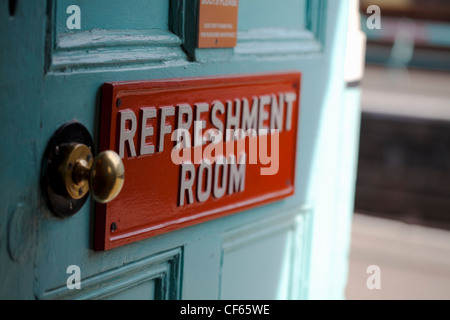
(218, 23)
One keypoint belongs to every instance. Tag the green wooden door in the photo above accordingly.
(52, 68)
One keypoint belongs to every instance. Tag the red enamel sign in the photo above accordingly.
(196, 149)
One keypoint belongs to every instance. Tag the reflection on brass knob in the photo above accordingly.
(107, 176)
(103, 176)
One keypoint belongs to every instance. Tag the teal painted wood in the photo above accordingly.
(349, 145)
(115, 14)
(21, 65)
(49, 76)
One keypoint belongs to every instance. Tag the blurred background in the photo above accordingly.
(402, 201)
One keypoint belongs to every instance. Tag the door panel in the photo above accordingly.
(112, 15)
(50, 75)
(113, 35)
(266, 259)
(154, 278)
(262, 14)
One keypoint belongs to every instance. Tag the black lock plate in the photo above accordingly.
(57, 198)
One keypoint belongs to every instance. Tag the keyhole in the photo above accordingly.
(12, 7)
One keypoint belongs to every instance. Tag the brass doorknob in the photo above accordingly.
(70, 169)
(103, 175)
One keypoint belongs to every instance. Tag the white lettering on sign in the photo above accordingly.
(230, 172)
(128, 126)
(250, 118)
(215, 25)
(225, 3)
(163, 127)
(187, 178)
(222, 169)
(218, 34)
(184, 122)
(147, 131)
